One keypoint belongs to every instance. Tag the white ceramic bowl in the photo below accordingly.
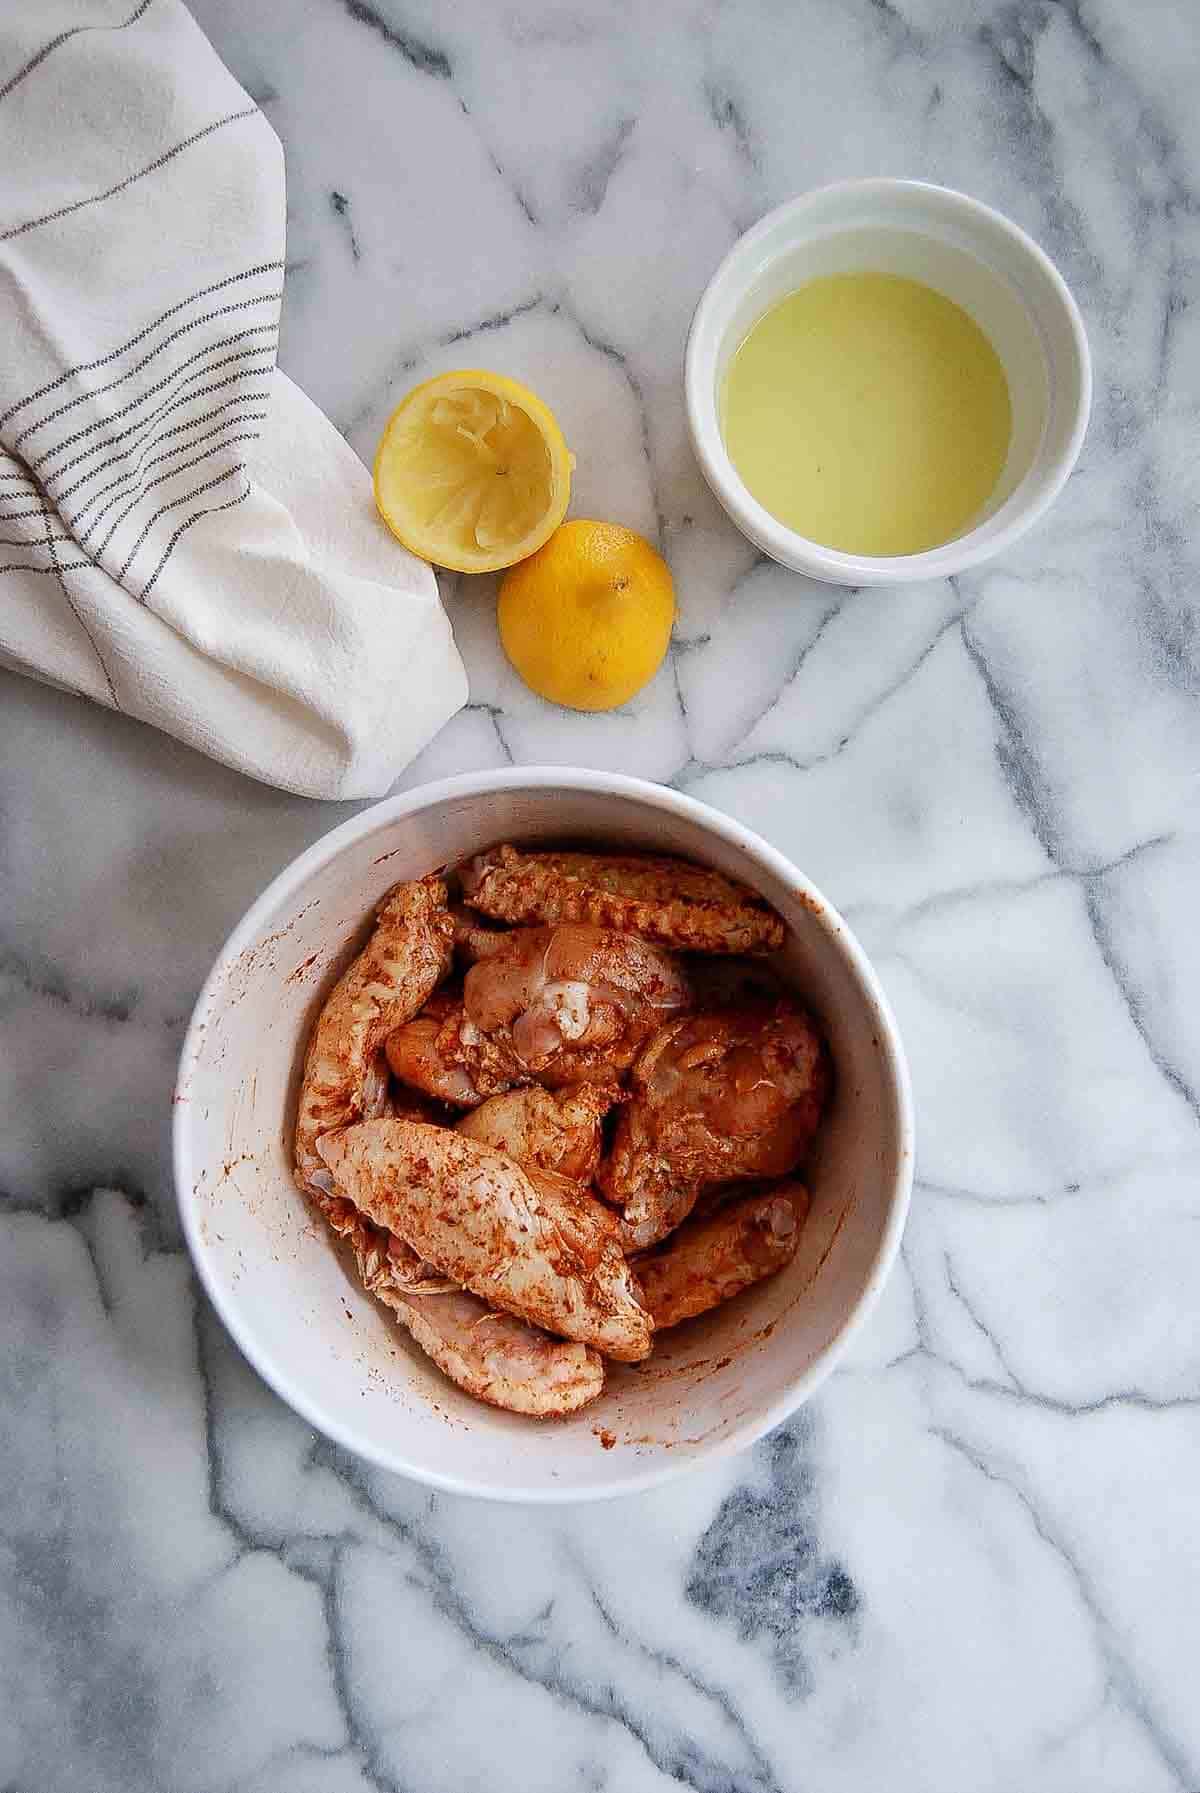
(332, 1352)
(972, 255)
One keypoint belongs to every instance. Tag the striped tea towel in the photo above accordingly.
(183, 536)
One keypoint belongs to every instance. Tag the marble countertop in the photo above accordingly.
(972, 1562)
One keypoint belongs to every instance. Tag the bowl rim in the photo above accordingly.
(385, 814)
(798, 551)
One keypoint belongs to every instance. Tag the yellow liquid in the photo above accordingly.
(868, 413)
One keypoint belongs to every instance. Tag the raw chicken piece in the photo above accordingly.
(500, 1359)
(493, 1356)
(546, 1130)
(717, 1096)
(562, 1005)
(345, 1078)
(432, 1054)
(567, 995)
(528, 1242)
(708, 1261)
(669, 900)
(390, 981)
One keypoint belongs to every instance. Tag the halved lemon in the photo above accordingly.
(472, 471)
(587, 621)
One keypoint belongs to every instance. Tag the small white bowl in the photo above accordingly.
(966, 251)
(333, 1353)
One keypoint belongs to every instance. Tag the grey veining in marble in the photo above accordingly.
(972, 1563)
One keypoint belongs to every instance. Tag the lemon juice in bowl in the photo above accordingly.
(869, 413)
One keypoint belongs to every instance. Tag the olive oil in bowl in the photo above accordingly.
(868, 413)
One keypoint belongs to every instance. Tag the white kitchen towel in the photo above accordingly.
(183, 535)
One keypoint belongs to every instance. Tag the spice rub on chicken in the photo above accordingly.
(561, 1005)
(530, 1243)
(715, 1096)
(689, 907)
(557, 1130)
(709, 1260)
(541, 1132)
(406, 957)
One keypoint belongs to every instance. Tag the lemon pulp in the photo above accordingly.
(472, 471)
(869, 413)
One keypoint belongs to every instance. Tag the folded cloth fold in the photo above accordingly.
(183, 535)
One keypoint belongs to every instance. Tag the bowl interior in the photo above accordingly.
(964, 251)
(293, 1303)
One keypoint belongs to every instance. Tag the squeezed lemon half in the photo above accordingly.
(472, 471)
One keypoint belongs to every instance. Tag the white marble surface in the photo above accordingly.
(972, 1563)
